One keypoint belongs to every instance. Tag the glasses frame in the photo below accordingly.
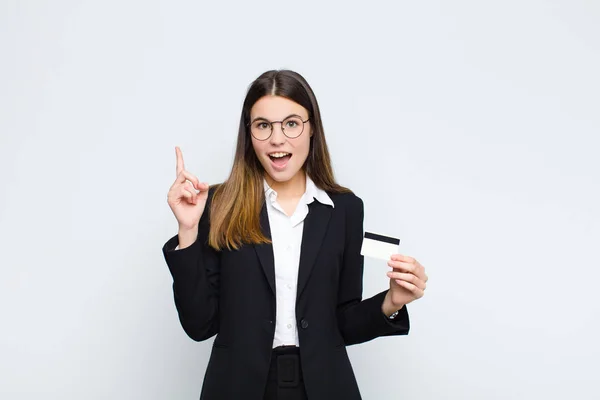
(282, 128)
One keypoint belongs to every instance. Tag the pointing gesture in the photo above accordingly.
(187, 196)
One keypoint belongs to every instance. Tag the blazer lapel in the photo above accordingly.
(315, 226)
(265, 251)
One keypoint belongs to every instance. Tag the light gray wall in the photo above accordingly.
(469, 128)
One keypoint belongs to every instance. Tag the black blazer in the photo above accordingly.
(232, 294)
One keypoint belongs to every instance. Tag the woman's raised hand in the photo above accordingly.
(187, 197)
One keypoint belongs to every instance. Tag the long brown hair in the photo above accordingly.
(236, 203)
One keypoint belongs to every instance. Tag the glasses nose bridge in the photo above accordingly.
(281, 129)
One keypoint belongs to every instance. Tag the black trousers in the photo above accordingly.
(285, 375)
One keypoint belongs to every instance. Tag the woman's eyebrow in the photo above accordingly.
(283, 119)
(261, 118)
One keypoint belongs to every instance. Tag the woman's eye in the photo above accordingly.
(292, 124)
(262, 125)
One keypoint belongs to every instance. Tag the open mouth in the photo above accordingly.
(280, 159)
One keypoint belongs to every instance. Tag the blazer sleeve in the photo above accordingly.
(361, 320)
(195, 271)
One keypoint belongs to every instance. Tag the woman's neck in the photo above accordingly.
(295, 187)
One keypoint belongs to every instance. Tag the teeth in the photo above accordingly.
(278, 155)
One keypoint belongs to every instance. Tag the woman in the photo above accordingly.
(269, 261)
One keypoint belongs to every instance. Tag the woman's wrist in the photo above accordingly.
(187, 236)
(388, 307)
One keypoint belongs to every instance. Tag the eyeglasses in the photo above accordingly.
(292, 127)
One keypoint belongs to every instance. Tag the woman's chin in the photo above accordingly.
(282, 175)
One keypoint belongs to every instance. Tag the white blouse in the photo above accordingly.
(286, 235)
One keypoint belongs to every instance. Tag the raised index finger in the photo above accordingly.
(180, 165)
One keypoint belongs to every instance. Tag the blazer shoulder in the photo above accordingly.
(347, 200)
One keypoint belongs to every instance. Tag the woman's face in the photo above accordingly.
(281, 157)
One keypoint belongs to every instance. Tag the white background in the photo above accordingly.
(469, 128)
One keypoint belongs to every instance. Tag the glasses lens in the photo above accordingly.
(261, 130)
(293, 126)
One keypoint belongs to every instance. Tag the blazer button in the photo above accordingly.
(304, 324)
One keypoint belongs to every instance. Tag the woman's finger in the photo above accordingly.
(187, 195)
(419, 269)
(404, 266)
(401, 257)
(414, 289)
(185, 175)
(413, 268)
(408, 278)
(190, 188)
(179, 156)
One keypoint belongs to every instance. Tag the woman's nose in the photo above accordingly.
(277, 136)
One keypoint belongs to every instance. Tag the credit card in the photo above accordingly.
(379, 246)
